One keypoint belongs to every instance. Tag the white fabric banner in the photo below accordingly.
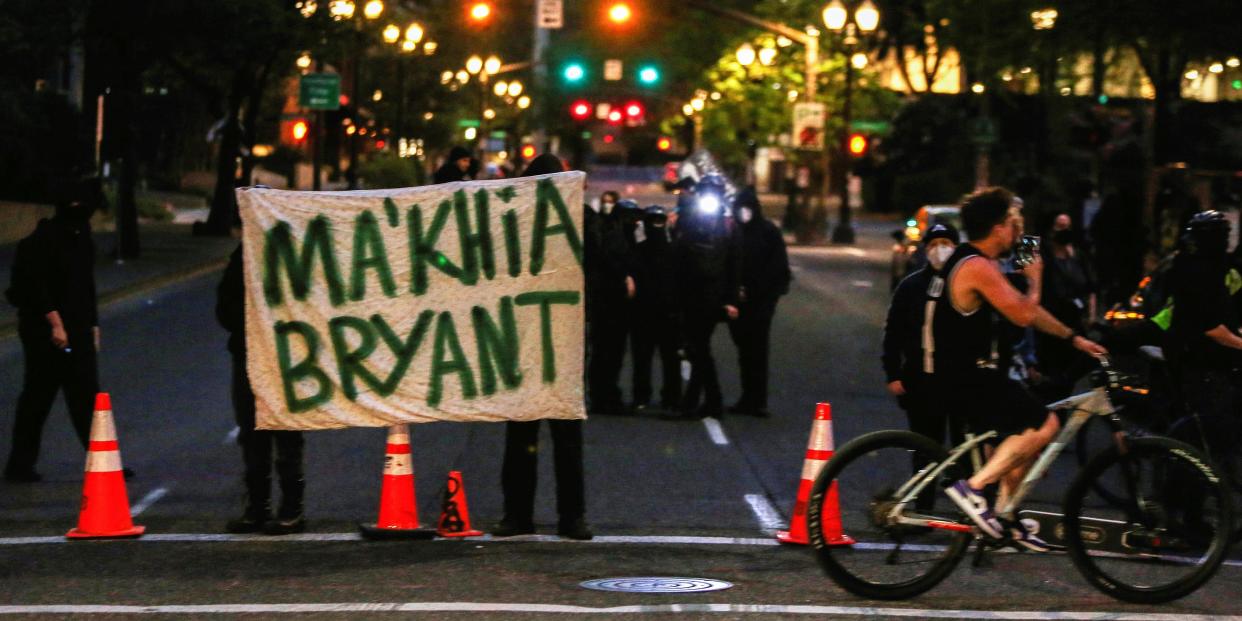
(453, 302)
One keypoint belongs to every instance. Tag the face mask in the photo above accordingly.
(1063, 236)
(745, 214)
(606, 207)
(938, 256)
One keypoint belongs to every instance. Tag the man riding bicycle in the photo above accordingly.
(964, 342)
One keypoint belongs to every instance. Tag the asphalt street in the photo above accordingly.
(665, 497)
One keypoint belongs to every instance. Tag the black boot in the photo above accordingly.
(289, 518)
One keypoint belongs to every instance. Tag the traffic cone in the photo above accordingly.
(104, 512)
(398, 512)
(818, 452)
(455, 515)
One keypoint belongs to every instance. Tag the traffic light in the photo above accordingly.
(580, 110)
(528, 151)
(480, 12)
(858, 145)
(574, 72)
(648, 75)
(664, 143)
(300, 129)
(620, 13)
(634, 110)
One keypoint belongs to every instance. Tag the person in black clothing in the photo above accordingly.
(257, 445)
(1203, 340)
(1069, 294)
(521, 460)
(908, 365)
(53, 287)
(765, 278)
(610, 268)
(458, 166)
(707, 259)
(656, 322)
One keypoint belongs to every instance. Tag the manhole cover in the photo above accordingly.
(657, 585)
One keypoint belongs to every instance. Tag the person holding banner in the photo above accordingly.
(257, 445)
(521, 459)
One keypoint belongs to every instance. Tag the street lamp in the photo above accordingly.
(866, 18)
(746, 55)
(392, 32)
(373, 9)
(341, 9)
(414, 32)
(501, 88)
(523, 102)
(429, 48)
(474, 64)
(492, 65)
(515, 88)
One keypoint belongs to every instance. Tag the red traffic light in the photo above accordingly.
(857, 145)
(528, 151)
(299, 130)
(633, 109)
(580, 110)
(664, 144)
(620, 13)
(480, 11)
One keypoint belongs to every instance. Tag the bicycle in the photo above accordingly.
(1160, 540)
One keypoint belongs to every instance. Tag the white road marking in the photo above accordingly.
(231, 438)
(607, 539)
(769, 519)
(864, 284)
(716, 431)
(770, 609)
(148, 500)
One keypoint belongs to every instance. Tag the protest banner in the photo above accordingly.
(453, 302)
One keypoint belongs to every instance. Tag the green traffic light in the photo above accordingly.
(1237, 85)
(648, 75)
(574, 72)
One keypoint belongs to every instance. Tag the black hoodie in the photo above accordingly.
(765, 262)
(449, 172)
(54, 270)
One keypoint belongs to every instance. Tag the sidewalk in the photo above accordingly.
(170, 254)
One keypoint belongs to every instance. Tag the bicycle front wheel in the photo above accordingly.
(1164, 537)
(858, 494)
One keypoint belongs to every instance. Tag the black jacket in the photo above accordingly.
(606, 262)
(656, 279)
(231, 304)
(765, 262)
(54, 270)
(903, 329)
(708, 263)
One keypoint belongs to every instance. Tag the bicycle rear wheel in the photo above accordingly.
(887, 560)
(1168, 534)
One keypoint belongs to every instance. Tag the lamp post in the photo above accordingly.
(371, 11)
(866, 18)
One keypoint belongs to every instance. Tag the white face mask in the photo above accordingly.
(939, 255)
(605, 207)
(745, 214)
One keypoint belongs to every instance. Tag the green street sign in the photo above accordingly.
(320, 91)
(468, 123)
(500, 133)
(871, 127)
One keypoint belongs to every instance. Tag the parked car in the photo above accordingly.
(908, 249)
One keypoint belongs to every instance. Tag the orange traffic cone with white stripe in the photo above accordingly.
(105, 505)
(455, 515)
(398, 511)
(818, 452)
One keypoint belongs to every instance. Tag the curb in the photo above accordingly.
(8, 328)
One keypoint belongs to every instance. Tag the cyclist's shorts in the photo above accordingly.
(988, 400)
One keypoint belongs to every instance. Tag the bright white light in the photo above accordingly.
(835, 15)
(515, 88)
(414, 32)
(858, 60)
(1233, 62)
(492, 65)
(746, 55)
(767, 56)
(709, 204)
(1193, 74)
(471, 133)
(474, 64)
(867, 16)
(523, 102)
(697, 104)
(1216, 68)
(977, 88)
(373, 9)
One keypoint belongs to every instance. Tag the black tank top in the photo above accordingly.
(962, 342)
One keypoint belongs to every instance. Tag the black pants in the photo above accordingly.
(50, 370)
(257, 449)
(652, 331)
(607, 332)
(703, 380)
(752, 332)
(519, 473)
(928, 416)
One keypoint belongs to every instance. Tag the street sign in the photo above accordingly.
(808, 126)
(551, 13)
(613, 70)
(320, 91)
(468, 123)
(870, 127)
